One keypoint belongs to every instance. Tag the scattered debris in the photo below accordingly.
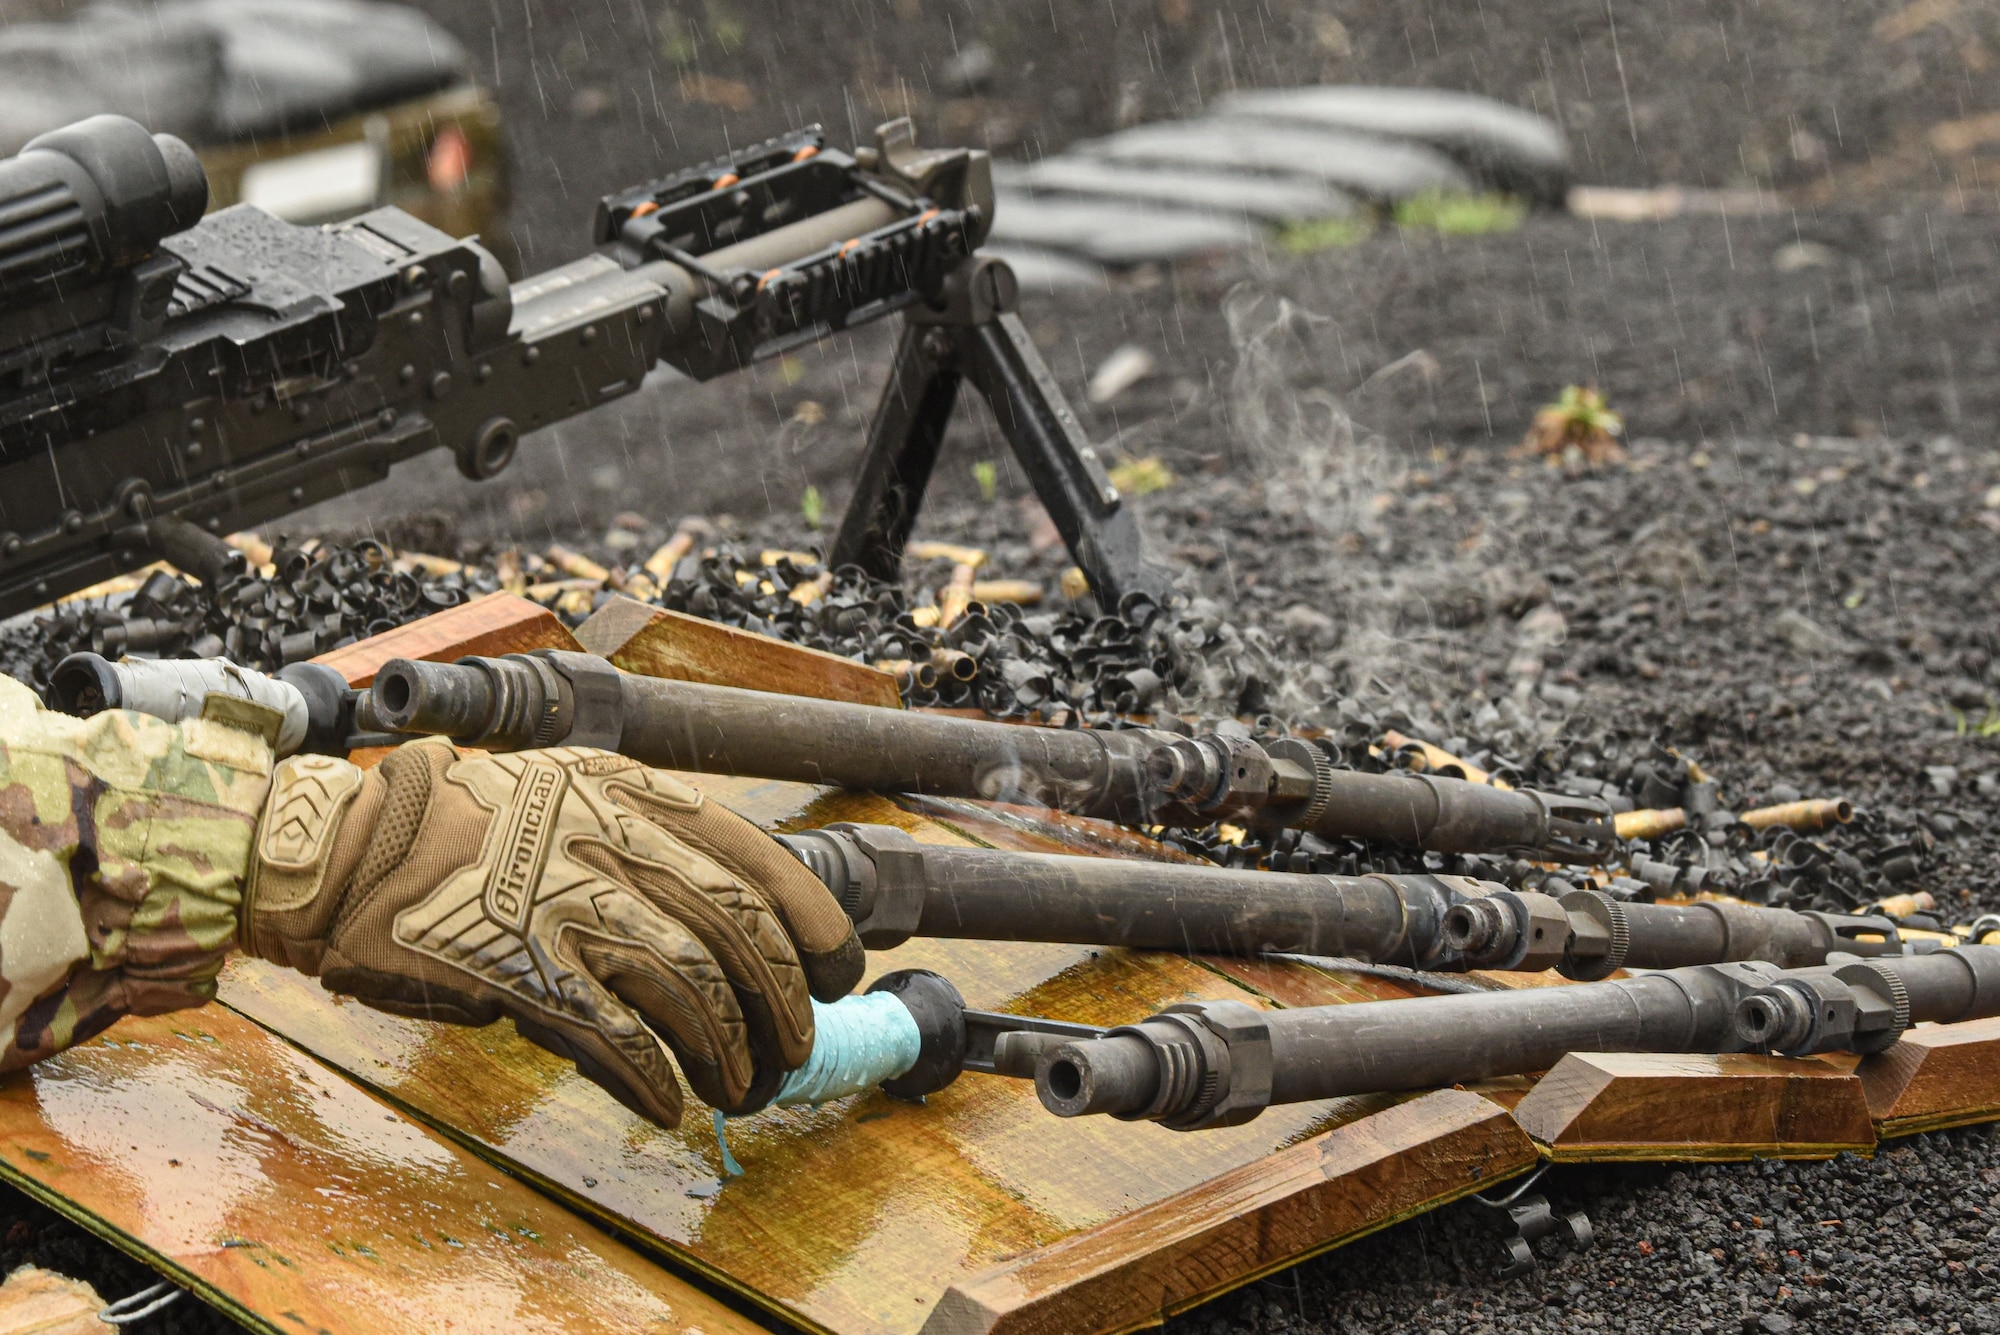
(1808, 637)
(1125, 367)
(304, 601)
(1142, 477)
(1577, 429)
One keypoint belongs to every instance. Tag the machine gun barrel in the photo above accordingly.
(894, 888)
(1219, 1063)
(1137, 775)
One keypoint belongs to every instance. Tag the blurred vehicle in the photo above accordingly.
(313, 110)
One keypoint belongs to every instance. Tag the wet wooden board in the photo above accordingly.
(1687, 1106)
(979, 1211)
(655, 642)
(295, 1201)
(1162, 1258)
(860, 1215)
(1033, 829)
(855, 1217)
(1937, 1075)
(499, 623)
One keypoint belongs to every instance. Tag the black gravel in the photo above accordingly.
(1903, 1242)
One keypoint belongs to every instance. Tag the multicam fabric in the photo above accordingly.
(123, 844)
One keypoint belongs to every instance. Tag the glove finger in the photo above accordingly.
(728, 918)
(655, 965)
(820, 930)
(655, 1098)
(415, 998)
(610, 1043)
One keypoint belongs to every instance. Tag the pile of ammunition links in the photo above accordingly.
(277, 606)
(991, 645)
(970, 642)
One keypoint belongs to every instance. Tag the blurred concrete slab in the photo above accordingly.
(1512, 148)
(214, 71)
(1370, 166)
(1266, 198)
(1044, 271)
(52, 74)
(1115, 233)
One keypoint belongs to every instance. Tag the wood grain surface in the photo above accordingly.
(655, 642)
(856, 1216)
(499, 623)
(295, 1201)
(1937, 1075)
(1687, 1106)
(1161, 1258)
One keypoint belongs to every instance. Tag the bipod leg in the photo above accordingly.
(903, 442)
(1099, 527)
(974, 334)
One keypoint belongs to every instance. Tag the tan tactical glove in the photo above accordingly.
(608, 908)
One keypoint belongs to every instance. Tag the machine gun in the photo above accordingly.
(165, 376)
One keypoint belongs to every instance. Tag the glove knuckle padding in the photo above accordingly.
(823, 936)
(610, 909)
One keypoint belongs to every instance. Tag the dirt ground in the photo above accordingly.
(1857, 303)
(1777, 93)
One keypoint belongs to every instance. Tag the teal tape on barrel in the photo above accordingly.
(859, 1042)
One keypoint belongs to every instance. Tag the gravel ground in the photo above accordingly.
(1902, 1242)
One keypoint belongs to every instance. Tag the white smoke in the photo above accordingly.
(1396, 612)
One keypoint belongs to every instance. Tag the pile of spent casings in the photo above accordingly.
(1185, 666)
(1073, 666)
(1181, 667)
(302, 602)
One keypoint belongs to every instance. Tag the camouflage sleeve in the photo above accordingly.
(123, 843)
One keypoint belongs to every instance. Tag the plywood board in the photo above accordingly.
(499, 623)
(854, 1217)
(655, 642)
(1038, 829)
(1937, 1075)
(1690, 1106)
(1161, 1258)
(297, 1202)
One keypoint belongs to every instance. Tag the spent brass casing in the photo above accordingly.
(1651, 823)
(908, 673)
(1809, 815)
